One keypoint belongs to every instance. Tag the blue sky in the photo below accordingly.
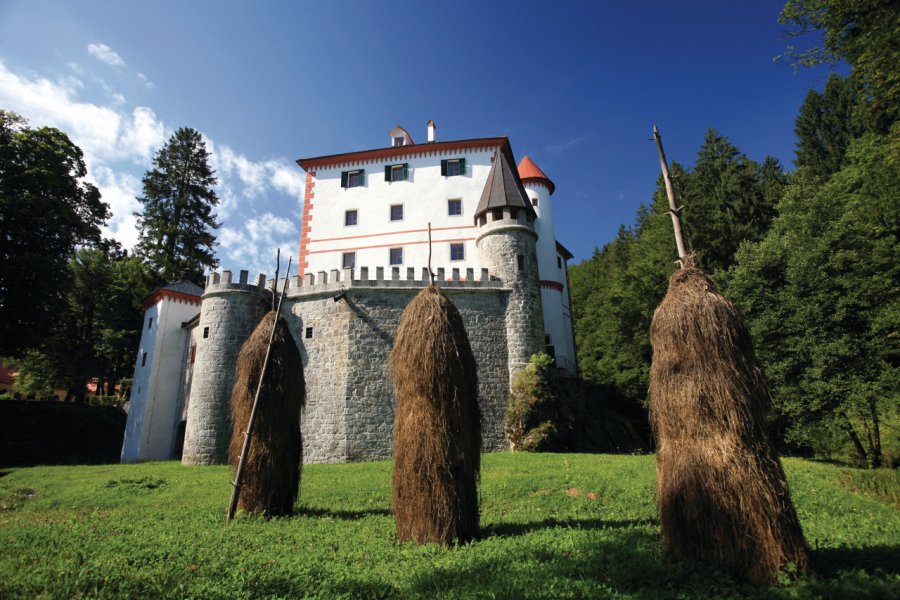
(575, 85)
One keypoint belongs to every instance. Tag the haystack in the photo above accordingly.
(723, 497)
(271, 479)
(437, 425)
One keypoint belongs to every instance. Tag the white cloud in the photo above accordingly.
(561, 147)
(120, 191)
(106, 54)
(147, 83)
(254, 245)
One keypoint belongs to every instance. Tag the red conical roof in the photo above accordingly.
(531, 173)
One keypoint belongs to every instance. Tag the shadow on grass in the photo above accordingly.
(829, 561)
(345, 515)
(514, 529)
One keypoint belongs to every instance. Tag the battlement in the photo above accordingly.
(225, 283)
(397, 278)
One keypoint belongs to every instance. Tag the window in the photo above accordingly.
(351, 179)
(205, 332)
(348, 260)
(396, 212)
(144, 359)
(453, 166)
(193, 353)
(396, 172)
(520, 261)
(454, 206)
(457, 252)
(559, 262)
(399, 141)
(150, 323)
(309, 333)
(534, 201)
(396, 256)
(350, 218)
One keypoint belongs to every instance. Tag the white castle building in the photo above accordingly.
(493, 249)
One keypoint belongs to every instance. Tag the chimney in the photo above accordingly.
(431, 128)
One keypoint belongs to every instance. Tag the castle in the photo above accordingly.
(364, 248)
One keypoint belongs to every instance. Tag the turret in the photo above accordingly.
(229, 314)
(506, 246)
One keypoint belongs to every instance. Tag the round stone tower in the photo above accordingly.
(507, 248)
(228, 315)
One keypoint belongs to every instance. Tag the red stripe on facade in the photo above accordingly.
(163, 293)
(355, 237)
(350, 249)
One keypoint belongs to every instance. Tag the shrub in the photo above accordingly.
(531, 409)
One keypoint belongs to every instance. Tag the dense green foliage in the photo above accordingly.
(727, 197)
(554, 526)
(46, 209)
(531, 419)
(176, 224)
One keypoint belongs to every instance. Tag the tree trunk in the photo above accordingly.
(877, 458)
(848, 427)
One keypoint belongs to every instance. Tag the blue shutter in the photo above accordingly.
(405, 171)
(444, 168)
(343, 179)
(387, 172)
(362, 177)
(462, 166)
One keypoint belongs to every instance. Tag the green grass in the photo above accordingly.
(553, 525)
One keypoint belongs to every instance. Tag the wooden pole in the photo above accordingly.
(277, 269)
(238, 476)
(674, 210)
(430, 272)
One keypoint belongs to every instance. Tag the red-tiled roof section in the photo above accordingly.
(382, 154)
(530, 172)
(181, 290)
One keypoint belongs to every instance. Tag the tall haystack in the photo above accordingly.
(723, 497)
(271, 478)
(437, 425)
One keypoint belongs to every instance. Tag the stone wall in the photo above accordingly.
(350, 403)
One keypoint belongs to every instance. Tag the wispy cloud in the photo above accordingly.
(119, 142)
(561, 147)
(106, 54)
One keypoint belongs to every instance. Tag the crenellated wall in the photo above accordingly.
(344, 324)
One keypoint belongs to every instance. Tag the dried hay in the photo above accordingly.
(723, 497)
(437, 425)
(271, 478)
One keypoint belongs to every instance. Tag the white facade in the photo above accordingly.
(372, 220)
(157, 397)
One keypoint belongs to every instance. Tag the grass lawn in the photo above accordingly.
(553, 526)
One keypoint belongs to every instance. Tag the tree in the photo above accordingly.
(826, 125)
(45, 211)
(820, 296)
(175, 226)
(862, 32)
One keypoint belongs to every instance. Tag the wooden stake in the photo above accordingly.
(239, 474)
(670, 192)
(430, 272)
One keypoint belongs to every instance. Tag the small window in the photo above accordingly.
(454, 206)
(396, 172)
(453, 166)
(396, 256)
(498, 214)
(309, 333)
(144, 359)
(396, 212)
(348, 260)
(457, 252)
(351, 179)
(520, 261)
(150, 323)
(350, 218)
(399, 141)
(205, 332)
(559, 262)
(534, 201)
(193, 353)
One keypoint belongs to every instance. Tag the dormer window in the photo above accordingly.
(453, 166)
(399, 141)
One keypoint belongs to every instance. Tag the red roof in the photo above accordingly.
(531, 173)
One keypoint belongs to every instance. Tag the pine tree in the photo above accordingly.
(175, 227)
